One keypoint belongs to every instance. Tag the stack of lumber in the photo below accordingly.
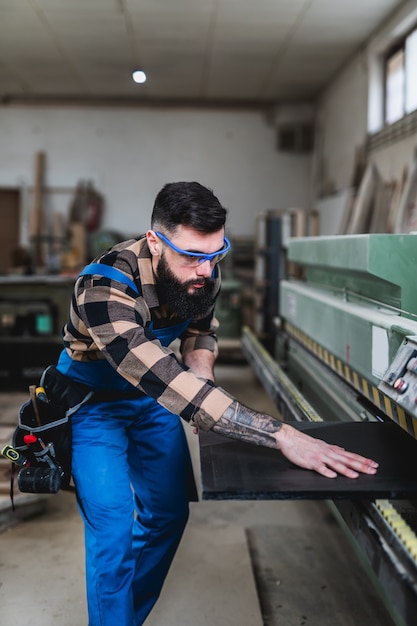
(379, 206)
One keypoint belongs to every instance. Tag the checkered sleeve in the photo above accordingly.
(115, 319)
(200, 335)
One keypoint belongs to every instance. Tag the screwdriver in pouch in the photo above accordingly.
(41, 394)
(41, 451)
(34, 442)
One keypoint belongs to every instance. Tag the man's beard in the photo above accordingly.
(175, 294)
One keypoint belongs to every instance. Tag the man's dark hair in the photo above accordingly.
(188, 204)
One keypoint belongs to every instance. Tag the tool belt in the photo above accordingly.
(41, 443)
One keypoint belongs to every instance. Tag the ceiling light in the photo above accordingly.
(139, 76)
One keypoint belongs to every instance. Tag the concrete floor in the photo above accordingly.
(307, 573)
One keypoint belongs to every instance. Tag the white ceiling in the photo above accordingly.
(249, 52)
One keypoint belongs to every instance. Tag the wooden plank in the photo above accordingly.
(361, 214)
(36, 210)
(358, 172)
(359, 166)
(313, 223)
(299, 222)
(406, 220)
(348, 211)
(381, 207)
(395, 200)
(36, 215)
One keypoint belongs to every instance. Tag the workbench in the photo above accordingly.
(33, 310)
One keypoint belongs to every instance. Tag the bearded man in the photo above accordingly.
(130, 460)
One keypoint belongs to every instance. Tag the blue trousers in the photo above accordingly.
(130, 466)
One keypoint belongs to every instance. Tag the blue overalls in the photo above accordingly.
(121, 445)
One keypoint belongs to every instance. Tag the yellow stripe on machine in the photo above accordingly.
(399, 526)
(371, 392)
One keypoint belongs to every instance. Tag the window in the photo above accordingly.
(394, 87)
(401, 79)
(411, 72)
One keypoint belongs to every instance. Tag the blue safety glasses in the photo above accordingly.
(193, 259)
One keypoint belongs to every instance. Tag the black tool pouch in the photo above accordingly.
(46, 419)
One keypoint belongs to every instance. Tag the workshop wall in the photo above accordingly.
(343, 115)
(129, 154)
(341, 126)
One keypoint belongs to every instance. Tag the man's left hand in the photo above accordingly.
(327, 459)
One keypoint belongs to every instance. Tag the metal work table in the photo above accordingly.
(33, 310)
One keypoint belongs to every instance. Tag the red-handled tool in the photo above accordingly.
(32, 441)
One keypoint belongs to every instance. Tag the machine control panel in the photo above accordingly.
(400, 379)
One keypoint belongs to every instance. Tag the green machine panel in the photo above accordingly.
(356, 309)
(376, 266)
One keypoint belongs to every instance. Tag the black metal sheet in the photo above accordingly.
(234, 470)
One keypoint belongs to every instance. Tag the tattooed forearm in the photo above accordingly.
(240, 422)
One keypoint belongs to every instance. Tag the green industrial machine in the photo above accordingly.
(345, 348)
(355, 310)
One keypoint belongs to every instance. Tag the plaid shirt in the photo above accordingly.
(110, 321)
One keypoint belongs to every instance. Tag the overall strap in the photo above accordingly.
(164, 335)
(108, 271)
